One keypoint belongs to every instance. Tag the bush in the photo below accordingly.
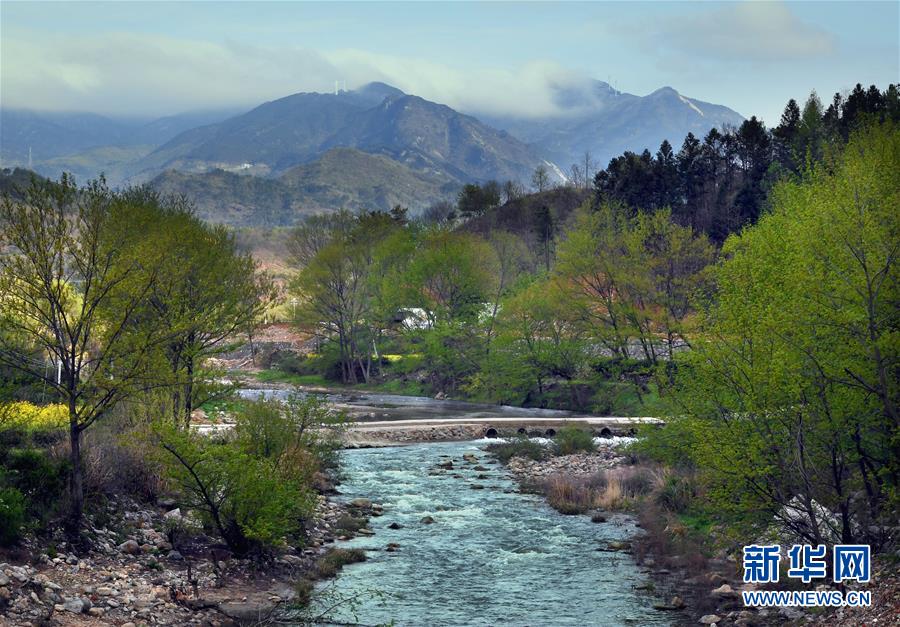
(569, 495)
(676, 494)
(569, 440)
(521, 446)
(248, 500)
(12, 515)
(335, 559)
(272, 429)
(40, 479)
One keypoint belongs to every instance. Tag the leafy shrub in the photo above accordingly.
(272, 429)
(39, 478)
(248, 500)
(569, 440)
(335, 559)
(521, 446)
(12, 515)
(31, 417)
(676, 494)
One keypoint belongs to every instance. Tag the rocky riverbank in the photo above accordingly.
(134, 575)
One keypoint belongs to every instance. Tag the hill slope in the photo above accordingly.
(341, 178)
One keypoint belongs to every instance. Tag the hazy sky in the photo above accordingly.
(156, 58)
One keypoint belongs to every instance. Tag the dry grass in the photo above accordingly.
(615, 489)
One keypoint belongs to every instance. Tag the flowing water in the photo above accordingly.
(493, 556)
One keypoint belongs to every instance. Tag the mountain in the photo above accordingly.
(371, 147)
(342, 178)
(427, 137)
(87, 144)
(608, 122)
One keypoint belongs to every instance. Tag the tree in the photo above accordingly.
(60, 289)
(810, 134)
(474, 200)
(543, 227)
(205, 293)
(336, 285)
(540, 178)
(588, 167)
(512, 190)
(789, 404)
(591, 263)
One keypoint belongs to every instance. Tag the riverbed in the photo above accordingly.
(493, 556)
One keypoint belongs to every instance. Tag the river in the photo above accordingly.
(493, 557)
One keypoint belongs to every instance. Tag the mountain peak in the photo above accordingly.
(665, 91)
(378, 91)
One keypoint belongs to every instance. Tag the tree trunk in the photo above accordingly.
(76, 479)
(189, 393)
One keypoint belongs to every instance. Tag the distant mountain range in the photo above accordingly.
(368, 148)
(606, 123)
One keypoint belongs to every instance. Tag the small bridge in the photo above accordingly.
(391, 432)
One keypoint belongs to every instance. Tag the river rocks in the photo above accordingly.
(395, 525)
(174, 556)
(579, 464)
(480, 469)
(710, 619)
(365, 532)
(391, 547)
(75, 606)
(598, 517)
(360, 503)
(724, 592)
(618, 545)
(427, 520)
(447, 465)
(131, 547)
(476, 486)
(471, 458)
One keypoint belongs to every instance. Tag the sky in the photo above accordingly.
(160, 58)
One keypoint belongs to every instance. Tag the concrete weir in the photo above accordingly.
(393, 432)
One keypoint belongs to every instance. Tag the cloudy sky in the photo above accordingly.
(156, 58)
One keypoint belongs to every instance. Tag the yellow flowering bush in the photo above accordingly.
(25, 415)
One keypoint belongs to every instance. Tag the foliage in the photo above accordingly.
(40, 479)
(72, 288)
(329, 564)
(520, 446)
(569, 440)
(31, 417)
(12, 515)
(789, 404)
(251, 502)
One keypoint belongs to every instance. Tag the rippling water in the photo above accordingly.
(493, 556)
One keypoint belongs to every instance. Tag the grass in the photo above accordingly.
(392, 386)
(335, 559)
(569, 440)
(278, 376)
(616, 489)
(519, 447)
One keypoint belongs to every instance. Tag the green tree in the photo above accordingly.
(60, 289)
(789, 402)
(205, 293)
